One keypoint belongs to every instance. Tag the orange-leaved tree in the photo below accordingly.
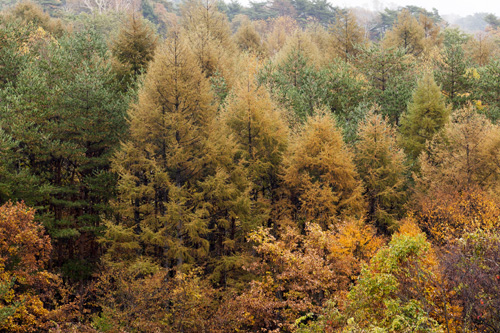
(298, 272)
(27, 289)
(458, 187)
(447, 216)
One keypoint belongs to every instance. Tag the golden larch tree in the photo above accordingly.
(381, 165)
(407, 33)
(162, 161)
(321, 176)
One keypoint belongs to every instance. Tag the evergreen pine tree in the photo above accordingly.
(451, 73)
(426, 115)
(297, 84)
(64, 119)
(13, 36)
(392, 77)
(487, 90)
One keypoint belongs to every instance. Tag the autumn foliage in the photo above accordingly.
(281, 166)
(27, 303)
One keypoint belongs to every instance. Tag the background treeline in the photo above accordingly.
(208, 167)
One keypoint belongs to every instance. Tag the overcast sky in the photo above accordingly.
(459, 7)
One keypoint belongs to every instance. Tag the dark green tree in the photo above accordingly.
(321, 10)
(487, 90)
(391, 77)
(258, 10)
(296, 84)
(492, 20)
(13, 35)
(65, 117)
(452, 70)
(345, 89)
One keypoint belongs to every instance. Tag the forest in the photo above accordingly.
(286, 166)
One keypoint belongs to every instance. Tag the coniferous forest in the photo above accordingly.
(285, 166)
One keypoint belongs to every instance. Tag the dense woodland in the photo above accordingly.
(288, 166)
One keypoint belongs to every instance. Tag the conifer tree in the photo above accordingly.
(260, 133)
(29, 13)
(487, 90)
(249, 40)
(163, 159)
(407, 34)
(381, 166)
(296, 83)
(480, 49)
(133, 49)
(391, 75)
(321, 176)
(348, 35)
(182, 198)
(463, 156)
(320, 36)
(426, 115)
(65, 116)
(280, 29)
(209, 35)
(346, 89)
(451, 72)
(12, 38)
(432, 31)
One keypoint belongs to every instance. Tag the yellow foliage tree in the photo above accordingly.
(298, 273)
(27, 289)
(399, 291)
(407, 33)
(348, 36)
(280, 30)
(481, 48)
(381, 165)
(260, 132)
(447, 216)
(320, 175)
(164, 158)
(463, 155)
(458, 187)
(249, 40)
(209, 36)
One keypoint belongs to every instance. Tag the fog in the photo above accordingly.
(462, 8)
